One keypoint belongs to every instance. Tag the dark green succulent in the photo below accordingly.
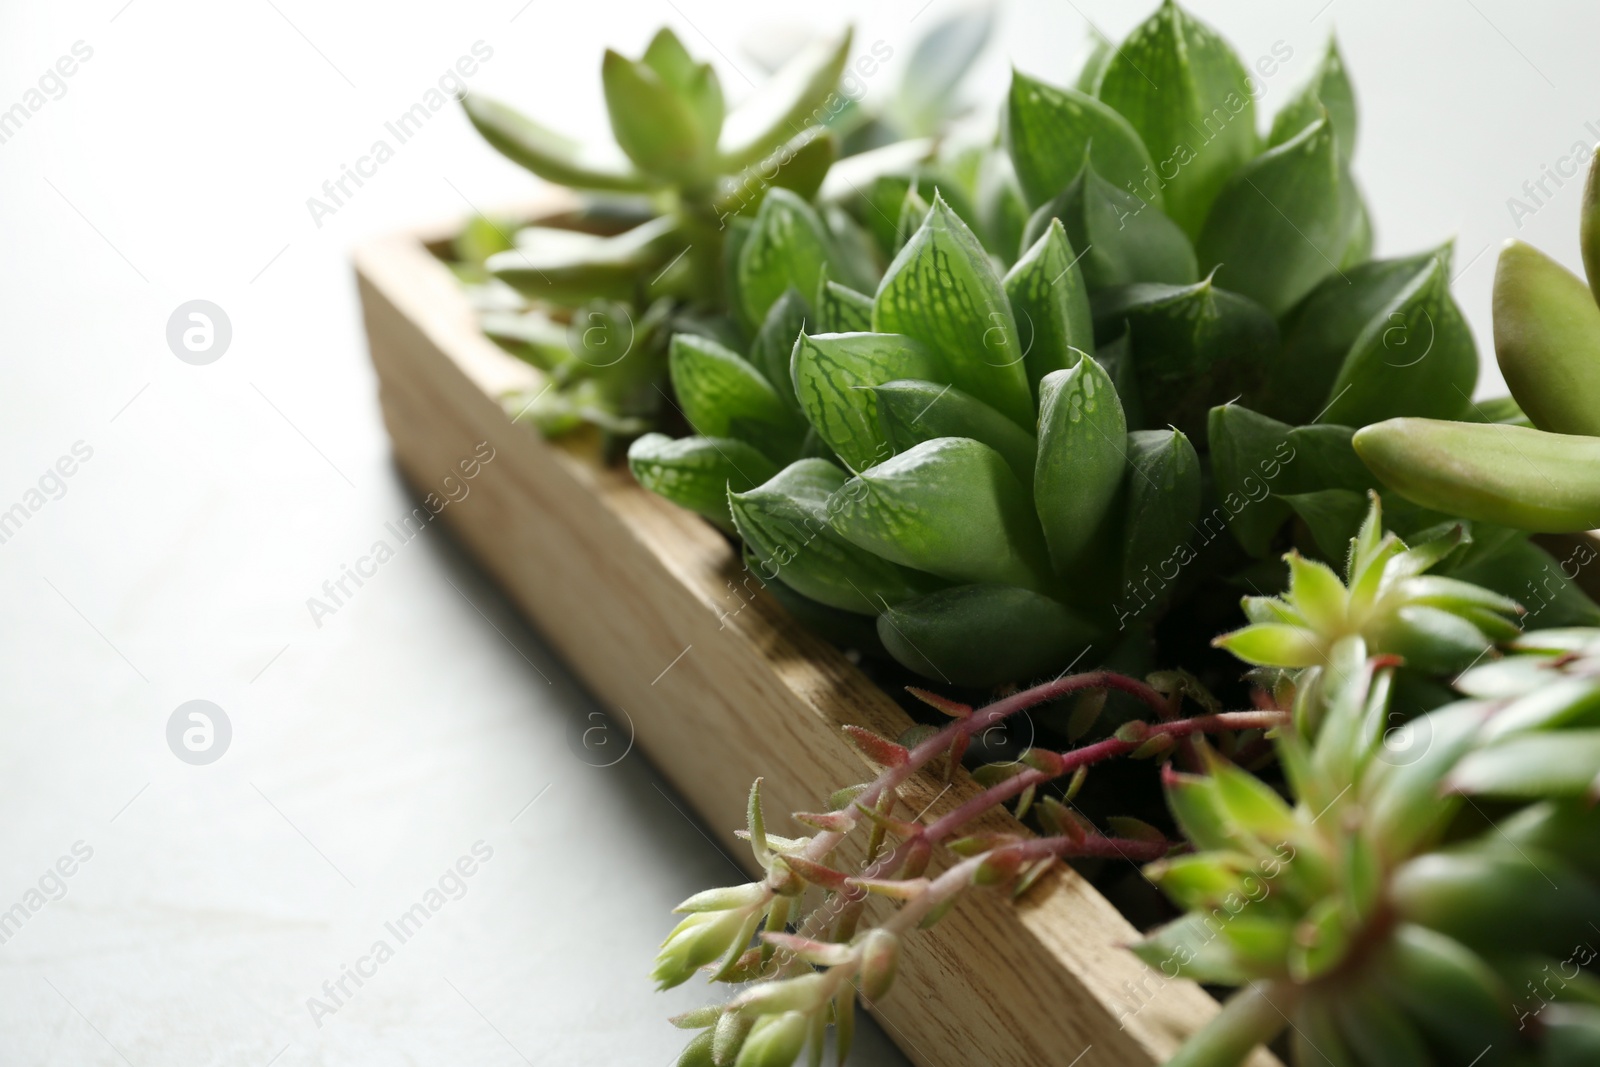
(1021, 441)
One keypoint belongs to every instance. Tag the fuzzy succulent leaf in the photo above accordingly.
(1181, 86)
(950, 507)
(943, 290)
(1050, 133)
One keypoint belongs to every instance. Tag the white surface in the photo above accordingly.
(369, 754)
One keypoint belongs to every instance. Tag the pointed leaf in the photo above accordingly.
(943, 290)
(1050, 132)
(833, 378)
(548, 154)
(723, 396)
(1182, 88)
(1082, 462)
(1121, 237)
(1275, 230)
(783, 103)
(915, 411)
(950, 507)
(1051, 305)
(698, 472)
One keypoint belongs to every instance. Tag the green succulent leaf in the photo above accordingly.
(788, 247)
(1276, 229)
(1187, 947)
(983, 635)
(1179, 84)
(1002, 213)
(695, 83)
(1094, 64)
(698, 472)
(1547, 340)
(1495, 901)
(568, 267)
(841, 309)
(1379, 1033)
(1565, 763)
(833, 375)
(1248, 453)
(1454, 994)
(943, 290)
(1320, 334)
(1507, 475)
(772, 351)
(1049, 133)
(655, 125)
(1163, 502)
(1124, 239)
(784, 103)
(548, 154)
(1191, 346)
(1081, 464)
(915, 411)
(1332, 515)
(798, 165)
(787, 526)
(939, 61)
(1051, 305)
(1329, 92)
(1418, 359)
(950, 507)
(723, 396)
(1589, 224)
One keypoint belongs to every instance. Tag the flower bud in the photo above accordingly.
(700, 938)
(774, 1041)
(880, 956)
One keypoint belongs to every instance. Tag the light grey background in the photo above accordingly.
(371, 752)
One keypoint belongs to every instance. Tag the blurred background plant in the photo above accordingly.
(591, 295)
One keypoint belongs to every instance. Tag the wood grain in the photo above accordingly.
(652, 608)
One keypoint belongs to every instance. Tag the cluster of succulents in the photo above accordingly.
(1428, 892)
(1531, 466)
(1057, 399)
(1424, 894)
(591, 295)
(1109, 371)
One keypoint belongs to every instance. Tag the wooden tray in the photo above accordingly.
(653, 610)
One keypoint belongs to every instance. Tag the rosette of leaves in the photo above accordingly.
(646, 239)
(1528, 461)
(1423, 887)
(996, 451)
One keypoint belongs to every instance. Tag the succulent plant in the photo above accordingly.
(1529, 462)
(1377, 908)
(591, 296)
(1001, 455)
(1428, 890)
